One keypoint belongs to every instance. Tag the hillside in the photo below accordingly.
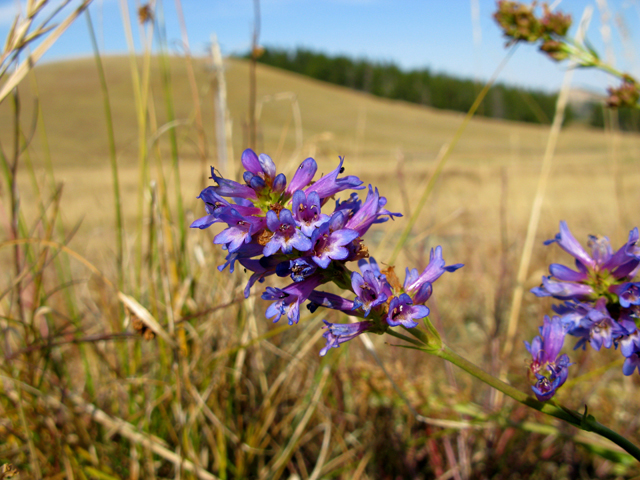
(373, 134)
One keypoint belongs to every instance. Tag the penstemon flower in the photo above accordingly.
(600, 300)
(548, 369)
(279, 228)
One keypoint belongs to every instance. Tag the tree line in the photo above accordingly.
(420, 86)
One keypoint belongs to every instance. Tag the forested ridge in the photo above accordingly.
(422, 86)
(438, 90)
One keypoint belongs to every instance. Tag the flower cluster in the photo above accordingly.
(275, 227)
(600, 306)
(519, 23)
(626, 95)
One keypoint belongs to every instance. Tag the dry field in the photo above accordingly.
(478, 212)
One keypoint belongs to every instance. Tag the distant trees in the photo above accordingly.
(628, 119)
(417, 86)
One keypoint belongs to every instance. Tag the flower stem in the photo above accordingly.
(404, 337)
(583, 421)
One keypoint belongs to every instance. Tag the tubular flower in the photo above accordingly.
(548, 369)
(596, 273)
(337, 334)
(371, 288)
(403, 312)
(601, 301)
(277, 228)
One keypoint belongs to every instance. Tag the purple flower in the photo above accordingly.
(602, 257)
(548, 369)
(303, 176)
(414, 282)
(631, 248)
(229, 188)
(628, 293)
(240, 229)
(329, 244)
(286, 236)
(569, 244)
(562, 290)
(403, 312)
(279, 228)
(261, 269)
(298, 268)
(597, 273)
(371, 288)
(330, 184)
(352, 205)
(246, 250)
(306, 211)
(572, 313)
(287, 301)
(369, 213)
(329, 300)
(598, 328)
(215, 204)
(337, 334)
(630, 364)
(261, 166)
(630, 343)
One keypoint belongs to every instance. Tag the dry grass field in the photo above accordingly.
(249, 420)
(389, 144)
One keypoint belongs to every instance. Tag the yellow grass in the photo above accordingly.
(389, 144)
(371, 133)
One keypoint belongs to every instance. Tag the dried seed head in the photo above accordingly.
(518, 21)
(626, 95)
(554, 50)
(141, 328)
(392, 278)
(145, 14)
(556, 23)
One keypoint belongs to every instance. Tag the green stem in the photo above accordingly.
(112, 153)
(393, 333)
(584, 422)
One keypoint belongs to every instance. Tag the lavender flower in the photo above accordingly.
(403, 312)
(601, 301)
(596, 273)
(414, 282)
(628, 293)
(337, 334)
(306, 211)
(330, 241)
(371, 212)
(330, 184)
(371, 288)
(630, 364)
(277, 228)
(286, 235)
(298, 268)
(287, 301)
(548, 369)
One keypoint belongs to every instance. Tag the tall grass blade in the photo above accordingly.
(119, 230)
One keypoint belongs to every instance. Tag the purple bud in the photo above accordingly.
(250, 162)
(303, 176)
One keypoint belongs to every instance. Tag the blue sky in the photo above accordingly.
(438, 34)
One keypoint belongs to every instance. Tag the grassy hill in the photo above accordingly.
(378, 137)
(482, 200)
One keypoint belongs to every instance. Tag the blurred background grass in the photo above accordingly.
(220, 392)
